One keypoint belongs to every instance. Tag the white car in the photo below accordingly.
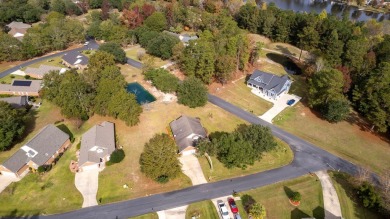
(86, 43)
(223, 209)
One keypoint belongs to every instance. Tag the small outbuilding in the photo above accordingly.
(187, 131)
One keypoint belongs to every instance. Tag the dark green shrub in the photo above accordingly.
(41, 169)
(116, 157)
(369, 196)
(296, 197)
(162, 179)
(27, 77)
(12, 76)
(247, 202)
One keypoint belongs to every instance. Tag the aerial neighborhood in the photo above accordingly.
(188, 109)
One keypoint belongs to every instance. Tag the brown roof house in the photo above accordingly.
(42, 71)
(18, 29)
(22, 88)
(187, 131)
(41, 150)
(97, 144)
(74, 59)
(17, 101)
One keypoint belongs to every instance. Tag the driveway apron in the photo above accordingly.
(87, 183)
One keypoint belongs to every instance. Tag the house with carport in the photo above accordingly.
(41, 150)
(97, 144)
(187, 131)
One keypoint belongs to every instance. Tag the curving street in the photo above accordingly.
(307, 159)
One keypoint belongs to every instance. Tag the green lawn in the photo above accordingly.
(240, 95)
(276, 202)
(289, 49)
(55, 61)
(43, 194)
(351, 208)
(146, 216)
(8, 79)
(133, 53)
(204, 209)
(280, 157)
(345, 139)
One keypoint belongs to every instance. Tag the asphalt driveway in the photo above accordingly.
(87, 183)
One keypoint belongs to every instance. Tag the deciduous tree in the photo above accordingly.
(192, 93)
(159, 158)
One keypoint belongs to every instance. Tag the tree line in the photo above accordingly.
(351, 65)
(100, 89)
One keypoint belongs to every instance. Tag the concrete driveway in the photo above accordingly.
(6, 181)
(279, 106)
(87, 183)
(224, 199)
(331, 200)
(191, 167)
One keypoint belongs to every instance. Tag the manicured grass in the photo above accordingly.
(8, 79)
(350, 205)
(56, 62)
(46, 114)
(204, 209)
(49, 193)
(275, 200)
(266, 65)
(289, 49)
(146, 216)
(240, 95)
(133, 53)
(344, 139)
(280, 157)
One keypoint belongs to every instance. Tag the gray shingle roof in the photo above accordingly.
(75, 58)
(19, 25)
(42, 70)
(97, 142)
(34, 86)
(268, 81)
(39, 149)
(16, 102)
(183, 127)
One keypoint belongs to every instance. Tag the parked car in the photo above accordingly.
(223, 209)
(233, 205)
(290, 102)
(86, 43)
(237, 216)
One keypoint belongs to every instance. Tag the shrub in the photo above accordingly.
(369, 196)
(78, 146)
(192, 93)
(296, 197)
(162, 179)
(116, 157)
(162, 80)
(12, 76)
(247, 202)
(41, 169)
(27, 77)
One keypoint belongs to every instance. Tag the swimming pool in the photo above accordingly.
(141, 94)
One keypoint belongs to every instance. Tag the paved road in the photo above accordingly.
(134, 63)
(91, 45)
(308, 158)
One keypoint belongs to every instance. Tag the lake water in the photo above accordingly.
(142, 95)
(331, 8)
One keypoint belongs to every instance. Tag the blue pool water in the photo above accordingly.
(142, 95)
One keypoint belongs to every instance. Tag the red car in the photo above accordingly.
(233, 205)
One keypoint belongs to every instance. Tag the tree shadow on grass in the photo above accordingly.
(298, 214)
(15, 214)
(319, 213)
(289, 192)
(65, 129)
